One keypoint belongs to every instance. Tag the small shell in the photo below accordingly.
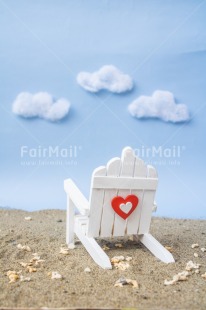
(105, 248)
(38, 261)
(169, 248)
(27, 248)
(169, 282)
(197, 271)
(181, 276)
(128, 258)
(122, 281)
(117, 259)
(23, 264)
(13, 276)
(87, 269)
(190, 265)
(64, 251)
(121, 265)
(203, 275)
(55, 275)
(25, 279)
(10, 272)
(23, 247)
(133, 283)
(203, 249)
(194, 245)
(31, 269)
(28, 218)
(196, 255)
(36, 257)
(118, 245)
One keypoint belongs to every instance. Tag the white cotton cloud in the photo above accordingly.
(107, 77)
(160, 105)
(40, 105)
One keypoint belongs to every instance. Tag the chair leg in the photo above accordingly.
(156, 248)
(92, 247)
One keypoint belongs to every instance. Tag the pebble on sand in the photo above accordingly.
(120, 262)
(190, 265)
(64, 251)
(117, 259)
(181, 276)
(25, 279)
(55, 275)
(31, 269)
(118, 245)
(123, 281)
(105, 248)
(23, 247)
(13, 276)
(204, 275)
(169, 248)
(194, 245)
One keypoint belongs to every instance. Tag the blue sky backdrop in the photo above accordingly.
(45, 44)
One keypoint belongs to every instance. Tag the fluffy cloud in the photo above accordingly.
(41, 105)
(107, 77)
(160, 105)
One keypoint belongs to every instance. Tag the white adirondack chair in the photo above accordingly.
(121, 203)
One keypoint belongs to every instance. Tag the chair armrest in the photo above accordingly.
(76, 196)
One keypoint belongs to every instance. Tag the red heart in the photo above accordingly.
(124, 207)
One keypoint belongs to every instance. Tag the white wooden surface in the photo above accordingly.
(98, 217)
(148, 203)
(156, 248)
(107, 220)
(108, 182)
(121, 178)
(127, 168)
(90, 244)
(140, 170)
(78, 199)
(96, 203)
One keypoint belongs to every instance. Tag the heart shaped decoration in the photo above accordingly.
(124, 206)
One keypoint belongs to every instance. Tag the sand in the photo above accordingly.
(45, 234)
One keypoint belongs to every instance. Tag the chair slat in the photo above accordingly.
(113, 169)
(140, 171)
(111, 182)
(96, 204)
(148, 201)
(128, 160)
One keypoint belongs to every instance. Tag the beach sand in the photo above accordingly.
(45, 234)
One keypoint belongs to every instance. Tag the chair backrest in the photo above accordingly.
(121, 177)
